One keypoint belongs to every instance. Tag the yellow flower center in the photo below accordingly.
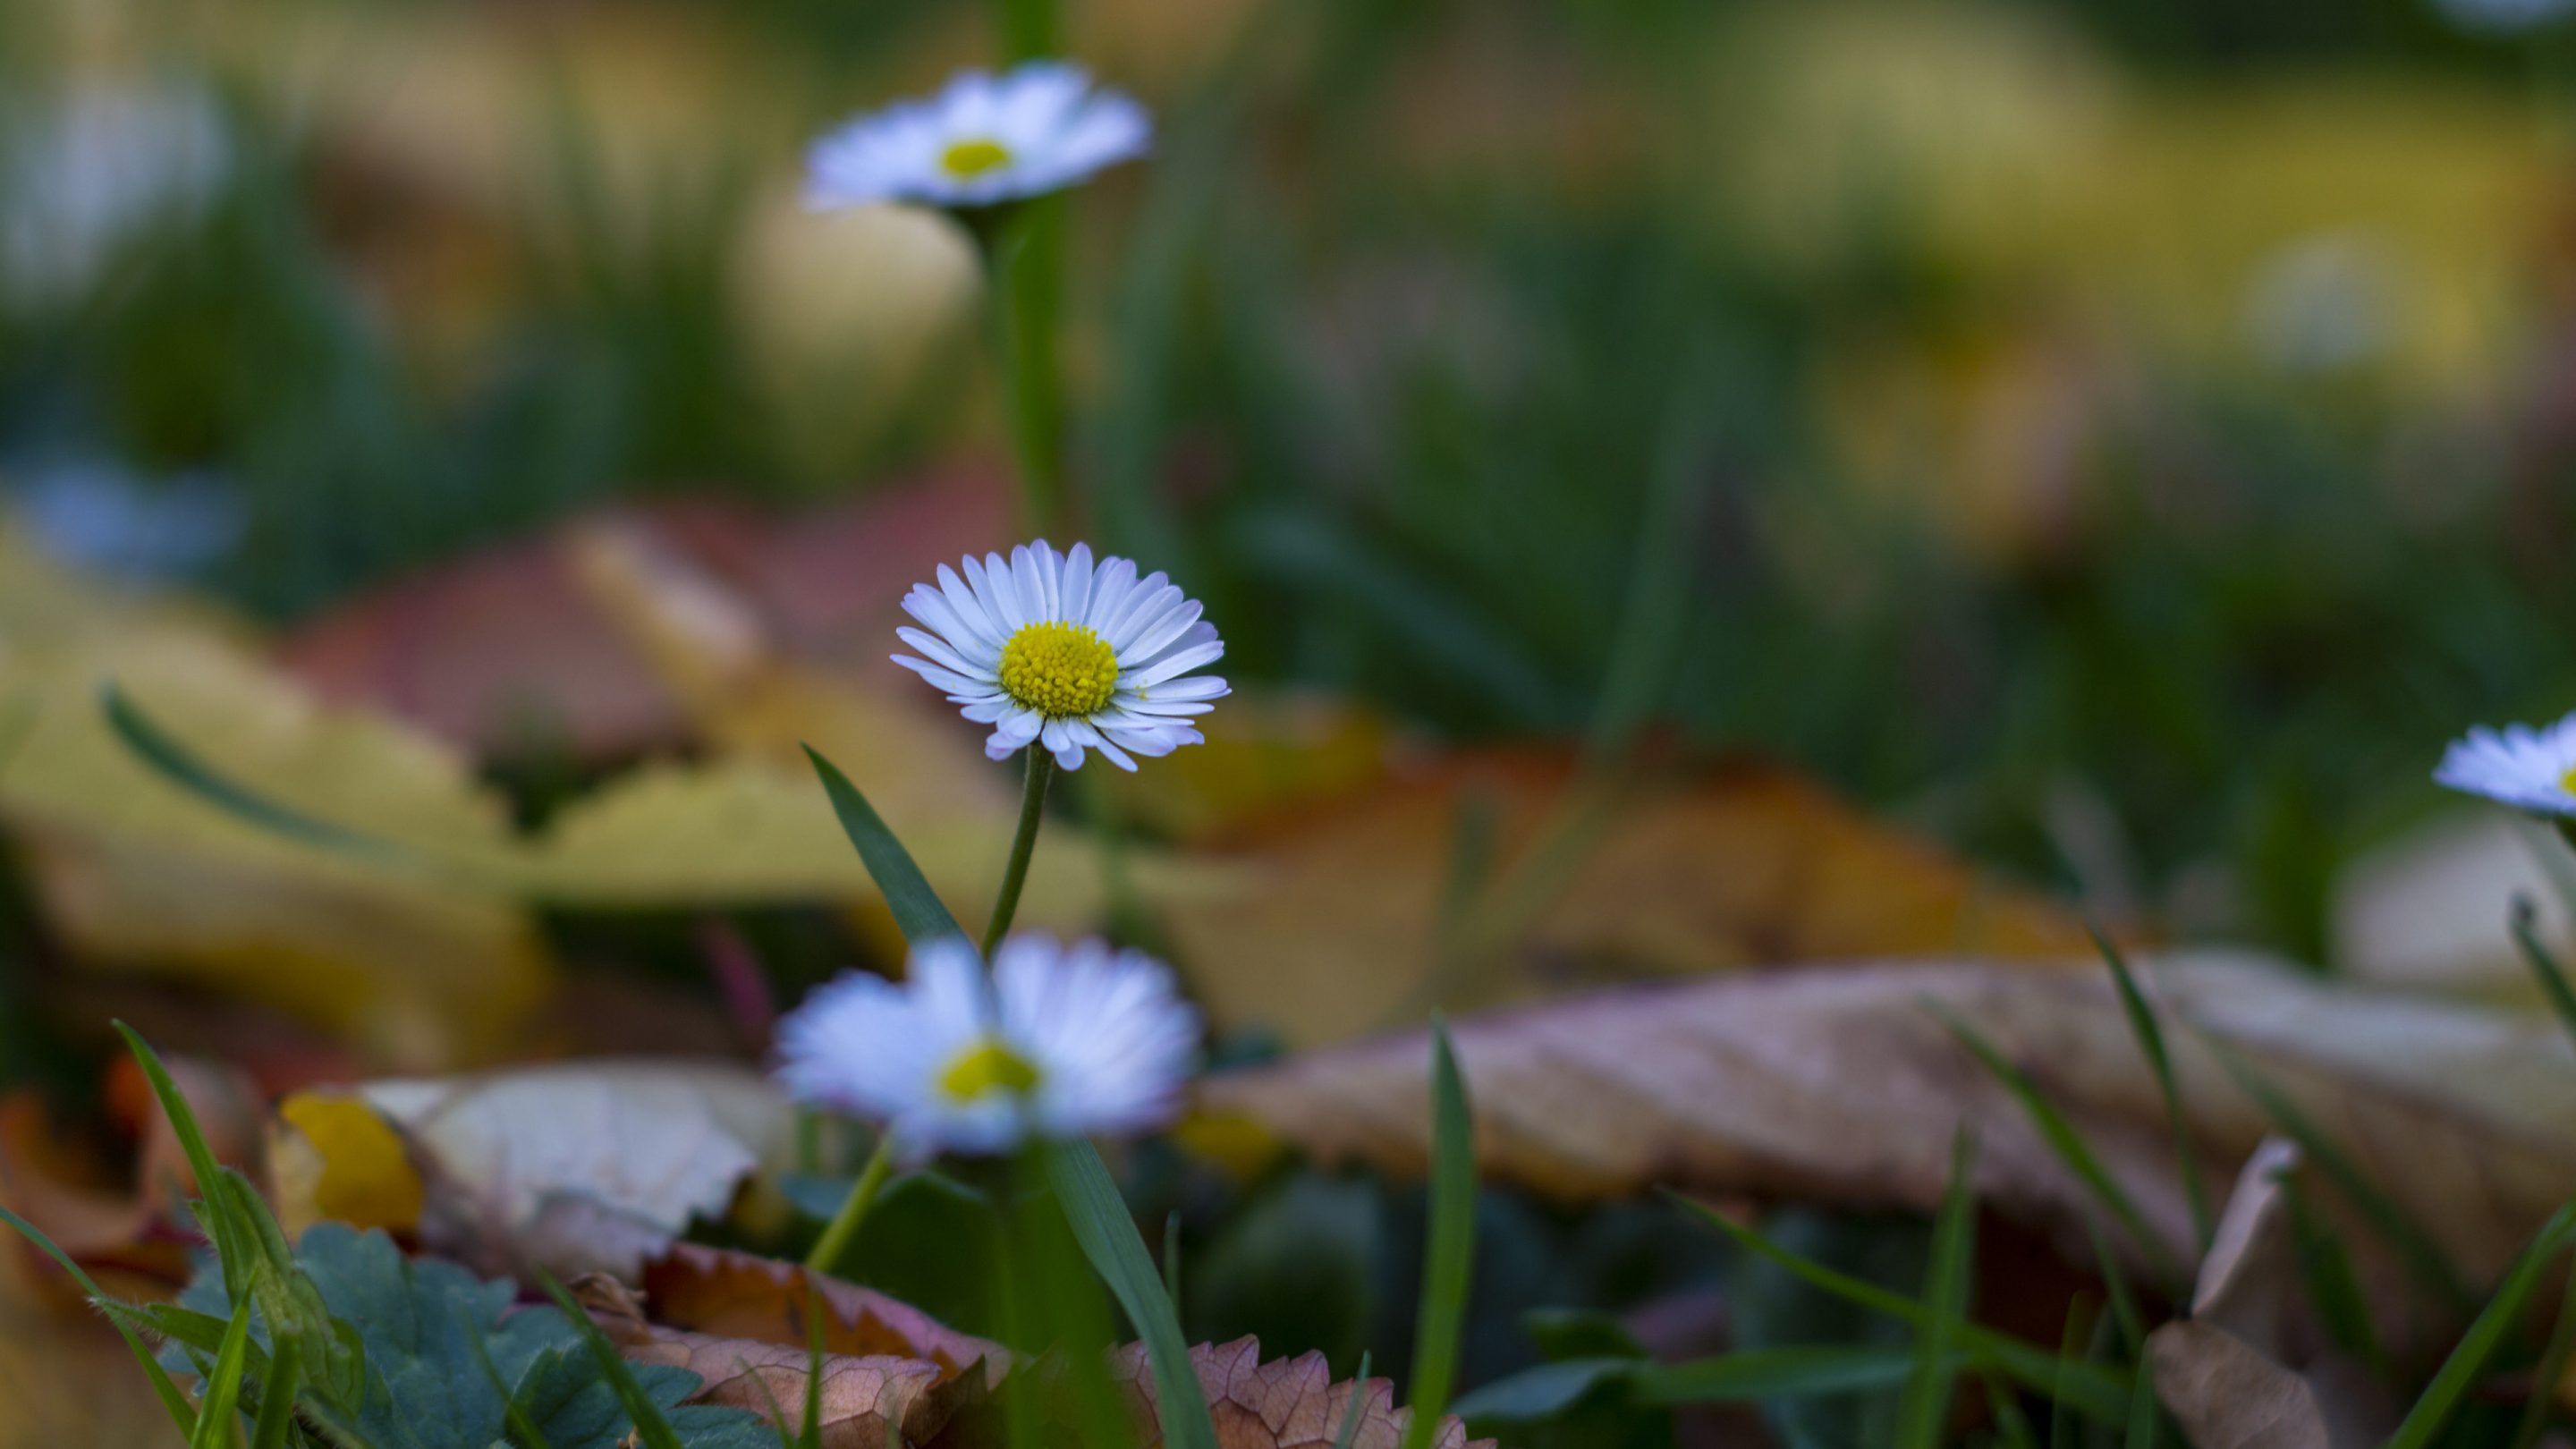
(988, 1066)
(1059, 669)
(969, 159)
(2567, 782)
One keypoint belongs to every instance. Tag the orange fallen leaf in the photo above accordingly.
(1289, 1403)
(1341, 924)
(739, 1295)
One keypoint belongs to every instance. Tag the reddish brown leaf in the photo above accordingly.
(727, 1294)
(1286, 1403)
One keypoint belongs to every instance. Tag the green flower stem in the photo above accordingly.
(1027, 281)
(1023, 845)
(844, 1227)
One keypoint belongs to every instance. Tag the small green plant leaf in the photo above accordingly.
(1450, 1259)
(1355, 1408)
(220, 1408)
(277, 1399)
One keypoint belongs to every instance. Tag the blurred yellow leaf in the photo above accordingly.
(333, 1158)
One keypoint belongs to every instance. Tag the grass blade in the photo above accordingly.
(174, 762)
(2549, 1371)
(1451, 1258)
(235, 1248)
(218, 1407)
(2100, 1394)
(1172, 1258)
(2070, 1350)
(2143, 1410)
(918, 911)
(1108, 1237)
(1925, 1408)
(2497, 1320)
(1355, 1407)
(2413, 1246)
(2334, 1286)
(277, 1399)
(182, 1413)
(1774, 1373)
(2151, 1041)
(2067, 1141)
(2553, 981)
(524, 1433)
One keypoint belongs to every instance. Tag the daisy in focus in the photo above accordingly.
(1052, 651)
(1071, 1041)
(2528, 769)
(983, 139)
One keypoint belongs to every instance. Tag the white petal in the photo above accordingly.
(939, 652)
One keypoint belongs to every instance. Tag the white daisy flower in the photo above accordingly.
(1069, 1041)
(983, 139)
(1049, 650)
(2529, 769)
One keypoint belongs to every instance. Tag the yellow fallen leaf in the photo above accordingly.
(336, 1159)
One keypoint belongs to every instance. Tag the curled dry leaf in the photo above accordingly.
(1342, 923)
(1842, 1086)
(588, 1168)
(2250, 1366)
(740, 1322)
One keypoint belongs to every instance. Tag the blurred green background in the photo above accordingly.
(2124, 440)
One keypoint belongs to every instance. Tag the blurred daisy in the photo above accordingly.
(983, 139)
(1049, 650)
(1068, 1042)
(2529, 769)
(2503, 17)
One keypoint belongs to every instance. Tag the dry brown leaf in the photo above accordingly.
(1289, 1403)
(738, 1295)
(865, 1399)
(1841, 1086)
(740, 1322)
(1337, 930)
(514, 646)
(2251, 1366)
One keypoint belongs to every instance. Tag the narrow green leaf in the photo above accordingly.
(2550, 1371)
(2144, 1424)
(183, 767)
(2151, 1041)
(2494, 1323)
(2115, 1284)
(1355, 1407)
(1774, 1373)
(1107, 1234)
(2414, 1247)
(181, 1412)
(2012, 1426)
(2067, 1141)
(218, 1407)
(2070, 1350)
(2096, 1391)
(1924, 1411)
(652, 1429)
(2553, 980)
(1450, 1259)
(277, 1399)
(917, 908)
(1541, 1391)
(1172, 1258)
(235, 1241)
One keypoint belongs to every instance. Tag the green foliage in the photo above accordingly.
(452, 1363)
